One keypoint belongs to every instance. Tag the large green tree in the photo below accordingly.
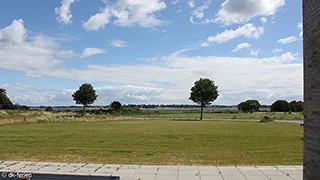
(85, 95)
(115, 106)
(281, 106)
(249, 106)
(204, 92)
(5, 102)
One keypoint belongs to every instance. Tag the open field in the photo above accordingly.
(154, 142)
(9, 117)
(220, 115)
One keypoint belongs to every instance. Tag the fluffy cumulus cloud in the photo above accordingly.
(63, 13)
(87, 52)
(29, 56)
(97, 21)
(239, 11)
(247, 30)
(287, 40)
(118, 43)
(128, 13)
(241, 46)
(37, 56)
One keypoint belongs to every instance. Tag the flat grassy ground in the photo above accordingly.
(154, 142)
(216, 115)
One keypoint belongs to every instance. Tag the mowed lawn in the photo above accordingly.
(154, 142)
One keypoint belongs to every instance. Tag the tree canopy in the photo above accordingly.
(281, 106)
(296, 106)
(249, 106)
(204, 92)
(115, 106)
(5, 102)
(85, 95)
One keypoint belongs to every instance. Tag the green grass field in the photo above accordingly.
(154, 142)
(215, 115)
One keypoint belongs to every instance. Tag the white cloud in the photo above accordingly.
(118, 43)
(300, 27)
(287, 40)
(205, 44)
(29, 57)
(258, 80)
(66, 54)
(241, 46)
(254, 53)
(128, 13)
(13, 34)
(239, 11)
(97, 21)
(277, 50)
(142, 13)
(126, 94)
(263, 20)
(198, 14)
(63, 13)
(247, 30)
(191, 3)
(87, 52)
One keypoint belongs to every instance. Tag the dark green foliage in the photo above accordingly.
(280, 106)
(130, 111)
(49, 109)
(5, 102)
(299, 106)
(85, 95)
(204, 92)
(21, 107)
(249, 106)
(115, 106)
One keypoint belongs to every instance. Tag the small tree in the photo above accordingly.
(49, 109)
(249, 106)
(280, 106)
(85, 95)
(115, 106)
(5, 102)
(204, 92)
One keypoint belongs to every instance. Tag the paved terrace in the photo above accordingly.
(158, 172)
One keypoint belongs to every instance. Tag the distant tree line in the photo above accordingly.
(277, 106)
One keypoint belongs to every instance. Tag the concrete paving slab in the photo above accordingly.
(297, 177)
(267, 168)
(213, 177)
(188, 177)
(233, 177)
(166, 177)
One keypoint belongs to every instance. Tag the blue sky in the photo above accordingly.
(150, 51)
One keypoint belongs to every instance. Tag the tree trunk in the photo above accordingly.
(84, 107)
(201, 113)
(311, 46)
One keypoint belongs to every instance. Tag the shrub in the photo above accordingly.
(48, 109)
(266, 119)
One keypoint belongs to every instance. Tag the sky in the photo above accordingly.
(150, 51)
